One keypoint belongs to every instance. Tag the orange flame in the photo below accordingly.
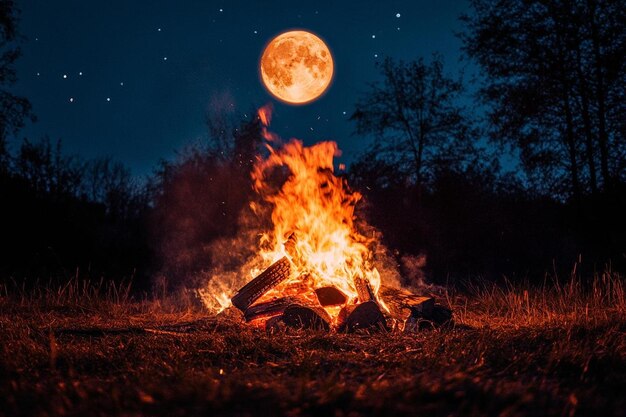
(317, 207)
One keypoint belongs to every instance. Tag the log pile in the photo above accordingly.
(391, 308)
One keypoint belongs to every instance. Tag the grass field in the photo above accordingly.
(91, 350)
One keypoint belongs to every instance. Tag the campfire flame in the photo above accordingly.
(313, 223)
(316, 209)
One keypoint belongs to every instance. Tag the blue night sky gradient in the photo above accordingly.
(151, 69)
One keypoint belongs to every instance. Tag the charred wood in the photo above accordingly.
(366, 315)
(363, 289)
(268, 279)
(438, 316)
(403, 304)
(305, 317)
(330, 296)
(268, 308)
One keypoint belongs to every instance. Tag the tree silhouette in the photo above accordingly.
(13, 109)
(555, 76)
(414, 117)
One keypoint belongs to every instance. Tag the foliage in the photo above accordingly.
(554, 76)
(13, 109)
(415, 118)
(66, 213)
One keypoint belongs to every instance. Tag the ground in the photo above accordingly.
(512, 352)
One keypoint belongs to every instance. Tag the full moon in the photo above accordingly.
(296, 67)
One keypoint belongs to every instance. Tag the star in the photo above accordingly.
(122, 84)
(221, 10)
(373, 36)
(398, 15)
(64, 76)
(108, 98)
(164, 58)
(80, 73)
(344, 113)
(38, 74)
(159, 29)
(255, 32)
(71, 99)
(375, 55)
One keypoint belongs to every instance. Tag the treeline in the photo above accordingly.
(529, 183)
(553, 89)
(64, 216)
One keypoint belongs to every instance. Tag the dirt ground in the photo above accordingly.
(59, 359)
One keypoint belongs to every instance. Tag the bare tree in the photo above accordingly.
(414, 116)
(555, 76)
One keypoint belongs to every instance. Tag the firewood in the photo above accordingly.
(268, 279)
(366, 315)
(268, 308)
(363, 289)
(306, 317)
(438, 316)
(402, 304)
(290, 248)
(330, 296)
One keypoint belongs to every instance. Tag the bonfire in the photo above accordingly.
(314, 269)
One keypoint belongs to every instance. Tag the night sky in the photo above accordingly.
(134, 79)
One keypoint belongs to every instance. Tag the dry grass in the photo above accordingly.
(92, 350)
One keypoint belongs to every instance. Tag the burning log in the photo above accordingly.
(290, 248)
(305, 317)
(366, 315)
(269, 308)
(330, 296)
(268, 279)
(403, 304)
(363, 290)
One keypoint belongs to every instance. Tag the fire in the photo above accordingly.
(315, 208)
(312, 214)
